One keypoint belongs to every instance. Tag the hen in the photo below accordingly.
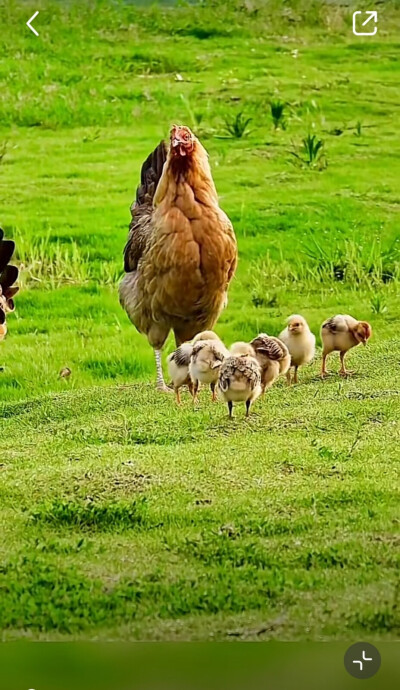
(8, 276)
(181, 251)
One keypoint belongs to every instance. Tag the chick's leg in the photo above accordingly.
(288, 377)
(161, 385)
(213, 393)
(343, 371)
(323, 367)
(178, 395)
(194, 390)
(295, 379)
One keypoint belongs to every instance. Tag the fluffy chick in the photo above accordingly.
(240, 377)
(178, 369)
(179, 360)
(205, 362)
(300, 342)
(273, 358)
(342, 332)
(205, 335)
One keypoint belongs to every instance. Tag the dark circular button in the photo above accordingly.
(362, 660)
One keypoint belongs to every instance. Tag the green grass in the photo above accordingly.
(122, 516)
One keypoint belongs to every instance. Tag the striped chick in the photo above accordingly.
(240, 377)
(273, 358)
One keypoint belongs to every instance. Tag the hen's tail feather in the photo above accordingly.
(141, 210)
(151, 172)
(6, 251)
(8, 278)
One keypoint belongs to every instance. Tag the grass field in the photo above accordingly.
(122, 516)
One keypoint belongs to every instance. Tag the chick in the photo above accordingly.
(273, 358)
(205, 335)
(240, 377)
(206, 359)
(342, 332)
(300, 342)
(178, 369)
(179, 360)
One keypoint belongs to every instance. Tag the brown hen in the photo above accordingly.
(181, 252)
(8, 276)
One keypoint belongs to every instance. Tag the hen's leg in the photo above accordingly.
(230, 408)
(161, 385)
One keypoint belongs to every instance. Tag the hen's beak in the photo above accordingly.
(179, 145)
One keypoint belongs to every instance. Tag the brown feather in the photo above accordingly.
(8, 276)
(271, 347)
(142, 208)
(240, 368)
(188, 257)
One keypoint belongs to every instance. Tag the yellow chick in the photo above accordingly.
(300, 342)
(178, 369)
(179, 360)
(240, 377)
(342, 332)
(205, 361)
(205, 335)
(273, 358)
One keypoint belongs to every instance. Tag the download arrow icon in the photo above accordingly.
(29, 25)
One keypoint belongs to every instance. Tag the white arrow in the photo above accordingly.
(28, 23)
(372, 15)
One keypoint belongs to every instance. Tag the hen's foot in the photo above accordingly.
(163, 388)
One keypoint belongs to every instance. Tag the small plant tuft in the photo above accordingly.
(237, 127)
(311, 152)
(378, 304)
(278, 114)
